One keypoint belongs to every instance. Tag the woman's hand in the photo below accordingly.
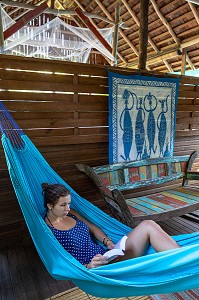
(110, 245)
(97, 261)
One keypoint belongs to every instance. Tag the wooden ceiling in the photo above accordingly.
(173, 29)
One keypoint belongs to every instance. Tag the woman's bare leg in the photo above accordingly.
(147, 232)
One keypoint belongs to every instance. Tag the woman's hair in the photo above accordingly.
(52, 193)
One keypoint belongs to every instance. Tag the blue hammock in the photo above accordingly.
(155, 273)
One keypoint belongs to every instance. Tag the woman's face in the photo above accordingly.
(62, 207)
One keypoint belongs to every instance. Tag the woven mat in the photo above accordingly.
(77, 294)
(188, 295)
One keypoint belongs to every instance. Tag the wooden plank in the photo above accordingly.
(57, 106)
(17, 284)
(190, 108)
(42, 115)
(18, 76)
(47, 86)
(8, 96)
(61, 123)
(153, 203)
(188, 94)
(51, 77)
(23, 63)
(187, 133)
(41, 141)
(189, 80)
(6, 284)
(26, 276)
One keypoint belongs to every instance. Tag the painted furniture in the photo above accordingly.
(168, 185)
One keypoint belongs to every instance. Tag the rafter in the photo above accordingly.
(164, 21)
(1, 32)
(116, 31)
(168, 65)
(120, 30)
(79, 4)
(190, 63)
(169, 53)
(16, 9)
(24, 12)
(73, 18)
(54, 11)
(171, 30)
(27, 18)
(194, 11)
(133, 15)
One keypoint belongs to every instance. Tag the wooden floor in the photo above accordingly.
(23, 276)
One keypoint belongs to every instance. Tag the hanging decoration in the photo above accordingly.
(55, 40)
(142, 114)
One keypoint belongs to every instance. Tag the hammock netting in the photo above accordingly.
(155, 273)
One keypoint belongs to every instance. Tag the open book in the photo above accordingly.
(117, 250)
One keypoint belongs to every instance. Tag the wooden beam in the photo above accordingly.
(1, 32)
(183, 66)
(133, 15)
(164, 21)
(120, 56)
(54, 11)
(169, 53)
(190, 63)
(116, 30)
(28, 17)
(88, 24)
(194, 11)
(120, 30)
(143, 34)
(16, 9)
(153, 59)
(168, 65)
(52, 4)
(189, 43)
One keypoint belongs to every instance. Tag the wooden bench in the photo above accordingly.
(170, 178)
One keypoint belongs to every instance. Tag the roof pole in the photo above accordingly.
(1, 32)
(183, 66)
(143, 34)
(25, 19)
(116, 31)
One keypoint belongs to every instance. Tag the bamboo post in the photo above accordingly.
(143, 34)
(1, 33)
(25, 19)
(183, 67)
(116, 31)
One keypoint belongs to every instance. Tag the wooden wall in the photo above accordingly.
(63, 108)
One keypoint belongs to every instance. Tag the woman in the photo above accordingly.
(77, 235)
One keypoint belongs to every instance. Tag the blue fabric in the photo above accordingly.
(155, 273)
(142, 116)
(78, 241)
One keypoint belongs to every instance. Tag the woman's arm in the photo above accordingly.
(95, 231)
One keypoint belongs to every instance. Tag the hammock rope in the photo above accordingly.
(11, 129)
(155, 273)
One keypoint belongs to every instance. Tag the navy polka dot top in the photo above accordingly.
(78, 241)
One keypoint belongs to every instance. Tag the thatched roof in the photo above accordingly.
(173, 29)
